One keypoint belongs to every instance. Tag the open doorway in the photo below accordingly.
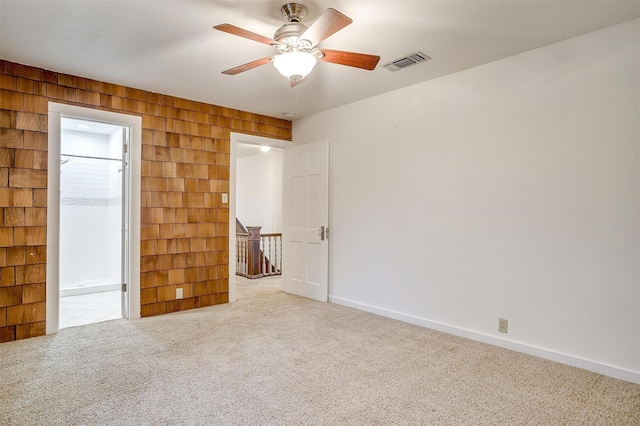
(246, 156)
(305, 216)
(258, 253)
(93, 216)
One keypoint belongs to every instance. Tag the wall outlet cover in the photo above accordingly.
(503, 325)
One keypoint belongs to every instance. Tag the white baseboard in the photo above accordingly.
(573, 361)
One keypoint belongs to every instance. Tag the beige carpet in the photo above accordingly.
(277, 359)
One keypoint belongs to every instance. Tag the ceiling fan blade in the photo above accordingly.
(248, 66)
(232, 29)
(330, 22)
(351, 59)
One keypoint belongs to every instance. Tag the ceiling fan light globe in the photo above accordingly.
(295, 65)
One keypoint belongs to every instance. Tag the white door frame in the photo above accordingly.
(237, 138)
(56, 112)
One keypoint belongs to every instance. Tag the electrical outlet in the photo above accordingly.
(178, 293)
(225, 198)
(503, 325)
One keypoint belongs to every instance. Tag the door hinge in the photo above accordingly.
(124, 287)
(125, 148)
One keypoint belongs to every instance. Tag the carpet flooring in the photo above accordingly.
(277, 359)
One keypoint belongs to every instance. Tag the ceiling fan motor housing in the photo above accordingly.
(288, 35)
(288, 38)
(294, 11)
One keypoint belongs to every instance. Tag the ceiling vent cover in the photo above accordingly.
(406, 61)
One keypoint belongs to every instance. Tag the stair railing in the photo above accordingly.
(258, 255)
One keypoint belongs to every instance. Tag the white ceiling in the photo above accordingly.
(169, 47)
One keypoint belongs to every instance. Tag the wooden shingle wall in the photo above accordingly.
(185, 170)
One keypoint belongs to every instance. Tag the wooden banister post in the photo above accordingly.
(253, 252)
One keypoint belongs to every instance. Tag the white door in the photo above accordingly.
(305, 220)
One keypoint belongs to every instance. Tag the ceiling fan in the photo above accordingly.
(296, 44)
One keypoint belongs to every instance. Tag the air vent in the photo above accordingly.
(406, 61)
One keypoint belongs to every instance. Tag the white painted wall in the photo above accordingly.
(259, 191)
(508, 190)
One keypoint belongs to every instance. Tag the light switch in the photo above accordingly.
(225, 198)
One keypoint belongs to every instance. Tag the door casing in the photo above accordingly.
(56, 111)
